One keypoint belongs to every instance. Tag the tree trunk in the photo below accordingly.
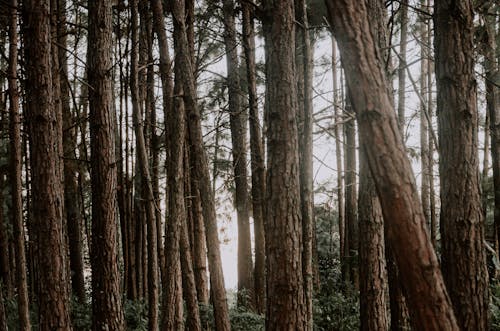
(351, 202)
(16, 176)
(257, 159)
(285, 287)
(402, 64)
(144, 169)
(429, 304)
(106, 296)
(3, 316)
(219, 299)
(303, 59)
(237, 121)
(492, 105)
(372, 273)
(463, 258)
(47, 191)
(339, 140)
(71, 195)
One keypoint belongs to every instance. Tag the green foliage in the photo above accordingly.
(81, 315)
(495, 306)
(336, 306)
(241, 319)
(136, 315)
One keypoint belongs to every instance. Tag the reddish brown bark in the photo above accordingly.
(106, 296)
(429, 304)
(463, 258)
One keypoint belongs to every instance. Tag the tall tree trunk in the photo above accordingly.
(71, 194)
(219, 299)
(237, 121)
(339, 140)
(16, 175)
(144, 169)
(304, 72)
(492, 105)
(106, 297)
(424, 129)
(402, 64)
(429, 303)
(257, 159)
(372, 274)
(47, 191)
(397, 302)
(351, 202)
(285, 287)
(463, 258)
(5, 271)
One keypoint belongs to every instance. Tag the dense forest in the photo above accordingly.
(348, 152)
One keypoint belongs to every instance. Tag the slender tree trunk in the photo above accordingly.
(351, 202)
(285, 286)
(304, 72)
(16, 173)
(339, 141)
(45, 138)
(463, 258)
(71, 196)
(144, 169)
(106, 297)
(5, 271)
(429, 303)
(424, 130)
(201, 165)
(493, 108)
(257, 159)
(402, 64)
(237, 121)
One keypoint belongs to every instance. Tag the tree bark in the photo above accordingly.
(47, 191)
(106, 296)
(257, 159)
(304, 72)
(219, 299)
(285, 286)
(237, 122)
(463, 258)
(429, 304)
(16, 176)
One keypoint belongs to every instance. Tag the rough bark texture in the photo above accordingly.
(47, 191)
(372, 263)
(429, 304)
(285, 287)
(463, 258)
(372, 268)
(106, 296)
(71, 194)
(144, 168)
(3, 317)
(238, 127)
(493, 106)
(218, 291)
(304, 71)
(351, 241)
(16, 175)
(257, 159)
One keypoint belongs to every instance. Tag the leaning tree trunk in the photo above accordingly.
(106, 296)
(200, 159)
(47, 191)
(429, 304)
(462, 236)
(16, 173)
(285, 287)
